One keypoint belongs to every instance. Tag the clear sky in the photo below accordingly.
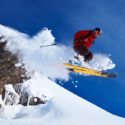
(64, 18)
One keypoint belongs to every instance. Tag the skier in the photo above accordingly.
(83, 40)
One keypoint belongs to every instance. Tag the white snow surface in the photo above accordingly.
(63, 106)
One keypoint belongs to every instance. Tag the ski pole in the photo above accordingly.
(49, 45)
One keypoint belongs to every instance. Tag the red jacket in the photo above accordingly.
(84, 38)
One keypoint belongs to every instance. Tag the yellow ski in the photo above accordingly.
(83, 70)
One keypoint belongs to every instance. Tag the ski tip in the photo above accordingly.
(109, 75)
(112, 75)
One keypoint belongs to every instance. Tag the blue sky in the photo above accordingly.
(64, 18)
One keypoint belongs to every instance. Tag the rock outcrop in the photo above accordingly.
(9, 72)
(12, 76)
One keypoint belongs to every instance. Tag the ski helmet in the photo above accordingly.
(98, 29)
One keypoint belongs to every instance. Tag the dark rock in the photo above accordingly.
(9, 73)
(12, 77)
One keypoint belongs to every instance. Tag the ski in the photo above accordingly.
(87, 71)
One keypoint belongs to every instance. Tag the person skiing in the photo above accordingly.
(83, 40)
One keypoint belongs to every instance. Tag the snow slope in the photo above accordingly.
(63, 106)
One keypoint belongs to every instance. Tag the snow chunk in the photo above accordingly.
(100, 62)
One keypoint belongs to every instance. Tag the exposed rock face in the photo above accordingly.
(9, 73)
(11, 77)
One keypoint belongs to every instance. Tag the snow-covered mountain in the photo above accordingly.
(42, 63)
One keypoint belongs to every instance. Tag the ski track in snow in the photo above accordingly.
(63, 107)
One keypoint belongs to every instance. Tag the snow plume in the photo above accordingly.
(99, 62)
(44, 38)
(46, 60)
(102, 62)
